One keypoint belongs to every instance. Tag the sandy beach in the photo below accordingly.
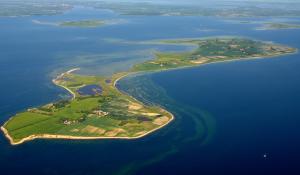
(60, 76)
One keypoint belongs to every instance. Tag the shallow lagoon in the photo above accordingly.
(228, 115)
(90, 90)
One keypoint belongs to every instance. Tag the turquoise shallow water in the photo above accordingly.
(228, 115)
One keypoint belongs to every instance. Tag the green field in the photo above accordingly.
(113, 114)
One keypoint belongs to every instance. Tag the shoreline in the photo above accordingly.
(60, 76)
(69, 137)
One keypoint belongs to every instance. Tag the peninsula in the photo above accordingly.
(98, 110)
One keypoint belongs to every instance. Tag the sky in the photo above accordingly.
(199, 1)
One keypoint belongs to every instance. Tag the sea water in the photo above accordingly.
(230, 118)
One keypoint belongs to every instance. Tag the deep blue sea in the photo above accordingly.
(235, 118)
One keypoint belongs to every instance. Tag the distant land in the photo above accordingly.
(220, 9)
(87, 23)
(83, 23)
(16, 8)
(278, 26)
(267, 25)
(98, 110)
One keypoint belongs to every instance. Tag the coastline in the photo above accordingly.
(60, 76)
(119, 77)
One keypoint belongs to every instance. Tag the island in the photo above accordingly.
(83, 23)
(87, 23)
(99, 110)
(278, 26)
